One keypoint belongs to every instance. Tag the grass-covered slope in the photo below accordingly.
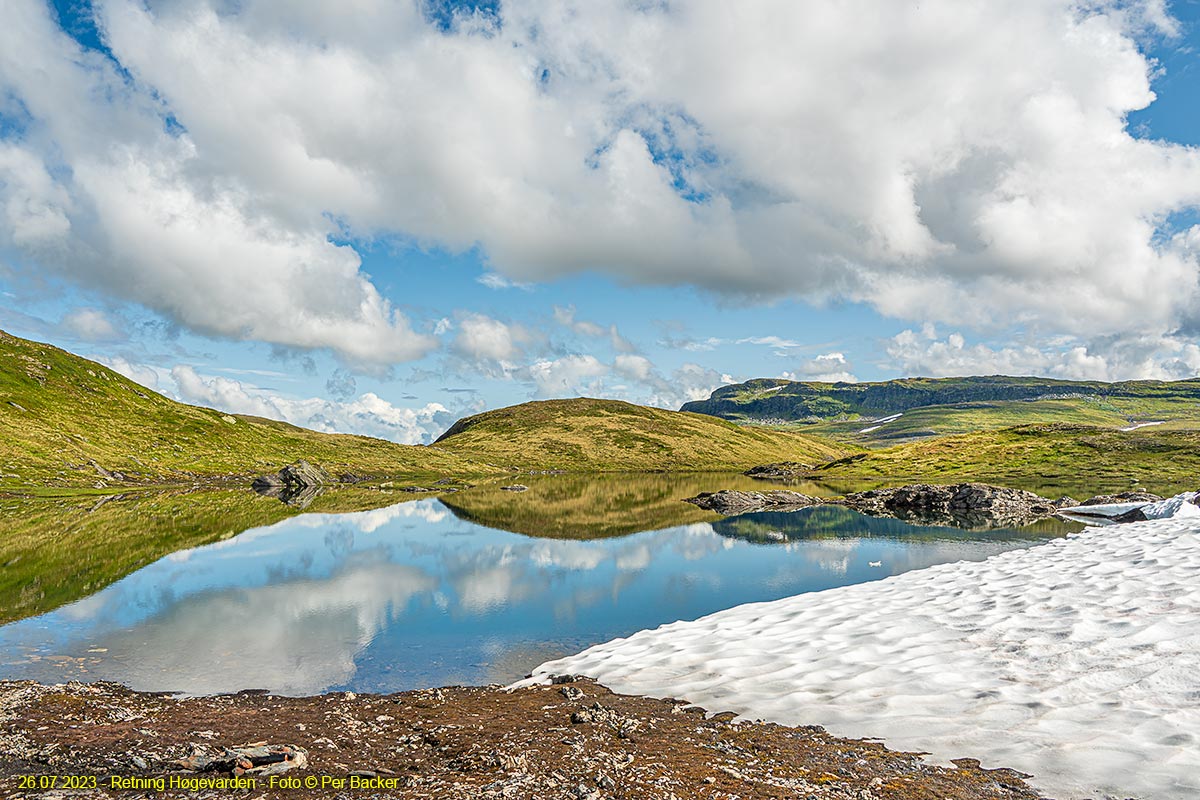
(1078, 459)
(66, 421)
(585, 435)
(879, 414)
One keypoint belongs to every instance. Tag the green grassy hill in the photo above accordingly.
(1079, 460)
(66, 422)
(882, 414)
(585, 435)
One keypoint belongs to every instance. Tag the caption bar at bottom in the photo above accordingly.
(191, 783)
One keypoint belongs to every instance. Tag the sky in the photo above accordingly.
(378, 216)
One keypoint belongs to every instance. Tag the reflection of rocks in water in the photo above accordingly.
(963, 519)
(295, 496)
(836, 521)
(728, 501)
(971, 506)
(974, 506)
(297, 484)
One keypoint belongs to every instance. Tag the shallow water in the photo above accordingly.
(427, 593)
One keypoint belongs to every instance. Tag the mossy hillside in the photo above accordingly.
(1078, 460)
(65, 421)
(587, 435)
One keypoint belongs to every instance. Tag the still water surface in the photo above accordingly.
(412, 595)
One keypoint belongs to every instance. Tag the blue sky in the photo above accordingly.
(380, 221)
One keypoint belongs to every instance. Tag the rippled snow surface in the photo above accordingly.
(1077, 661)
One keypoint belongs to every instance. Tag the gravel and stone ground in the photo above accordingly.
(568, 741)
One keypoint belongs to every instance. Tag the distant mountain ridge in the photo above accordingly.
(777, 400)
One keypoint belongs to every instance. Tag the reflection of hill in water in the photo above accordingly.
(837, 522)
(592, 506)
(57, 550)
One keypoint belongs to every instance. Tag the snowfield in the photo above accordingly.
(1077, 661)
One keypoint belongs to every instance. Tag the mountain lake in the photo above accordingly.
(475, 587)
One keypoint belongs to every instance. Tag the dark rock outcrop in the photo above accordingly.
(784, 470)
(303, 473)
(296, 484)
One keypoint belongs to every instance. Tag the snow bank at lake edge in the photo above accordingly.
(1077, 661)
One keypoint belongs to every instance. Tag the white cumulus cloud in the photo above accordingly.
(961, 163)
(1101, 359)
(92, 325)
(367, 415)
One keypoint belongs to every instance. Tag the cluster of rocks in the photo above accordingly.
(968, 505)
(780, 471)
(961, 504)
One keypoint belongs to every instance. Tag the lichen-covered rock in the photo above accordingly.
(303, 473)
(296, 484)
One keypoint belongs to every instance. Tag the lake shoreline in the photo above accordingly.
(572, 739)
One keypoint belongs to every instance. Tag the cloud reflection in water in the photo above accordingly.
(410, 595)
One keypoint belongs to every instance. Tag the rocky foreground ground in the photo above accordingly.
(569, 741)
